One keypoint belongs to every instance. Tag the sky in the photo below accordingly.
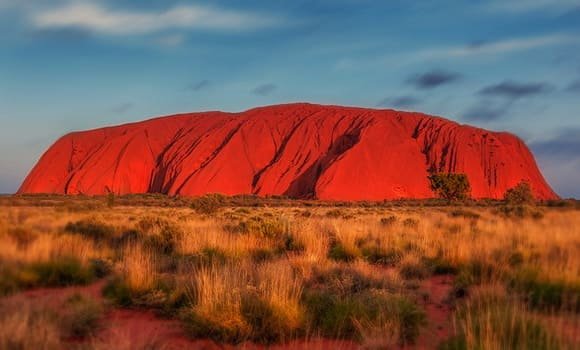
(502, 65)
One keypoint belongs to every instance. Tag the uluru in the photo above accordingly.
(297, 150)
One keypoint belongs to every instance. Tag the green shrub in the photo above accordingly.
(81, 316)
(197, 326)
(340, 252)
(335, 213)
(389, 220)
(341, 316)
(119, 292)
(520, 211)
(544, 294)
(100, 267)
(344, 280)
(268, 325)
(22, 236)
(159, 235)
(450, 186)
(520, 194)
(260, 255)
(208, 204)
(441, 266)
(92, 229)
(411, 223)
(62, 272)
(496, 322)
(463, 213)
(65, 271)
(378, 255)
(414, 270)
(475, 272)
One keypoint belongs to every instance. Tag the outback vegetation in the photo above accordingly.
(244, 270)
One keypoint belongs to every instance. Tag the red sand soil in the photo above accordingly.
(142, 329)
(130, 328)
(438, 310)
(297, 150)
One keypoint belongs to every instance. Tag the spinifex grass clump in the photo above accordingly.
(236, 303)
(492, 320)
(344, 302)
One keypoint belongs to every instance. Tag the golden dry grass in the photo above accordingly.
(246, 270)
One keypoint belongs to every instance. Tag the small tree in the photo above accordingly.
(520, 194)
(450, 186)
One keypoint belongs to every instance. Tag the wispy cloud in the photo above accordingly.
(514, 90)
(399, 102)
(265, 89)
(487, 111)
(433, 79)
(100, 19)
(500, 46)
(559, 158)
(170, 40)
(574, 86)
(476, 49)
(122, 108)
(498, 99)
(200, 85)
(521, 6)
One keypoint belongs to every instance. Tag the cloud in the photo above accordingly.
(122, 108)
(399, 102)
(487, 111)
(265, 89)
(97, 18)
(499, 98)
(170, 40)
(483, 47)
(565, 144)
(513, 90)
(559, 159)
(433, 79)
(200, 85)
(574, 86)
(61, 34)
(522, 6)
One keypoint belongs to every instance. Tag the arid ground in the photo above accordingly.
(153, 272)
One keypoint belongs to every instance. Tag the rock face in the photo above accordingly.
(298, 150)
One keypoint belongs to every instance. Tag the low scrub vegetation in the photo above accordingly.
(271, 274)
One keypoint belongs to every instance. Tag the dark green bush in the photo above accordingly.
(520, 211)
(414, 270)
(337, 316)
(91, 228)
(268, 325)
(450, 186)
(496, 320)
(339, 252)
(374, 253)
(81, 316)
(201, 327)
(62, 272)
(520, 194)
(411, 223)
(118, 292)
(545, 294)
(335, 213)
(464, 213)
(389, 220)
(158, 234)
(208, 204)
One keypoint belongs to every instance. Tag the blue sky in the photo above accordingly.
(504, 65)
